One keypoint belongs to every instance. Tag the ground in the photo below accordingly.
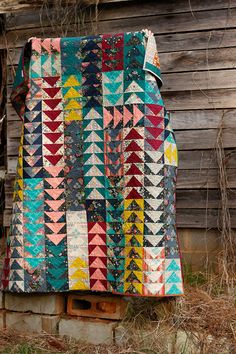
(201, 322)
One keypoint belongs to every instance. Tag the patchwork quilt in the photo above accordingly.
(94, 195)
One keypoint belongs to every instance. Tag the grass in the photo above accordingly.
(201, 322)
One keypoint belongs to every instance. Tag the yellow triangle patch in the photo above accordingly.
(72, 81)
(72, 93)
(73, 104)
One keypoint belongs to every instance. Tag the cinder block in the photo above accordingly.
(108, 307)
(1, 300)
(91, 331)
(24, 322)
(43, 304)
(50, 324)
(32, 323)
(2, 319)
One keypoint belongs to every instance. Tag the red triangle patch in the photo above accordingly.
(133, 182)
(53, 148)
(54, 159)
(133, 158)
(52, 91)
(52, 114)
(51, 80)
(133, 134)
(134, 170)
(134, 195)
(52, 125)
(155, 120)
(154, 143)
(155, 108)
(53, 137)
(133, 146)
(52, 103)
(154, 131)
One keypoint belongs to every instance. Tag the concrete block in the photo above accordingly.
(91, 331)
(50, 324)
(24, 322)
(1, 300)
(2, 319)
(31, 323)
(43, 304)
(109, 307)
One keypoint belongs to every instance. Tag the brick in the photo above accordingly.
(43, 304)
(32, 323)
(108, 307)
(50, 324)
(90, 331)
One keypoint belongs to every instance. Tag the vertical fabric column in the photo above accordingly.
(113, 86)
(154, 241)
(134, 95)
(33, 194)
(173, 277)
(77, 228)
(13, 273)
(53, 162)
(94, 169)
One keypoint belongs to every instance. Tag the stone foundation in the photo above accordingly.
(55, 314)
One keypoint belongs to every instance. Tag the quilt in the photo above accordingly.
(95, 188)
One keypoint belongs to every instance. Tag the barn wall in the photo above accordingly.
(197, 48)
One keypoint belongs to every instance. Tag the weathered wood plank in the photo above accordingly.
(195, 218)
(12, 146)
(200, 218)
(206, 40)
(190, 179)
(158, 24)
(186, 199)
(205, 99)
(192, 60)
(198, 199)
(204, 138)
(203, 119)
(180, 120)
(198, 99)
(11, 113)
(210, 39)
(188, 160)
(204, 159)
(203, 199)
(189, 60)
(9, 6)
(199, 80)
(186, 139)
(198, 179)
(122, 10)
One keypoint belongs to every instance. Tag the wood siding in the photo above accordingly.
(197, 48)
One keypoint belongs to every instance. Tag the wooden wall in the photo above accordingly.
(197, 45)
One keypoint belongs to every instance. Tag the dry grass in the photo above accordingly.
(206, 315)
